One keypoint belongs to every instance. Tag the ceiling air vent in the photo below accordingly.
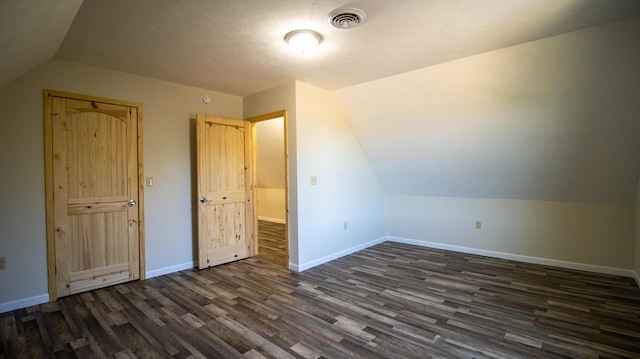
(346, 17)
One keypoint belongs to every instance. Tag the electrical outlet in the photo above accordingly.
(3, 263)
(478, 224)
(314, 180)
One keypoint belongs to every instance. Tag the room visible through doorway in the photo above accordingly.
(269, 154)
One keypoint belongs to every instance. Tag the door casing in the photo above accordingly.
(254, 120)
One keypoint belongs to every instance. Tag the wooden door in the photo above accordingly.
(93, 195)
(225, 209)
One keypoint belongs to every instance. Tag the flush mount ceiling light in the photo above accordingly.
(303, 40)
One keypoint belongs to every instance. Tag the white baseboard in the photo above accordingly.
(23, 303)
(274, 220)
(39, 299)
(330, 257)
(520, 258)
(43, 298)
(171, 269)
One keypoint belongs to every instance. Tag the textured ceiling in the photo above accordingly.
(31, 32)
(522, 122)
(237, 47)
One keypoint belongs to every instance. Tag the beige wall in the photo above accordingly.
(322, 144)
(555, 119)
(279, 98)
(347, 188)
(540, 141)
(637, 238)
(593, 234)
(272, 204)
(270, 169)
(269, 144)
(169, 153)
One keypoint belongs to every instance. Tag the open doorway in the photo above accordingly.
(270, 186)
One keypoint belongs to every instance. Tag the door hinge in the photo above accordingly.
(54, 114)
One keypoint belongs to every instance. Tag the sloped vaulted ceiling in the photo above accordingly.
(441, 99)
(31, 32)
(237, 47)
(555, 119)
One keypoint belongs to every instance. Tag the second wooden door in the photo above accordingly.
(225, 208)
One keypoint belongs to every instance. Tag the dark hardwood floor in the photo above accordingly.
(388, 301)
(272, 242)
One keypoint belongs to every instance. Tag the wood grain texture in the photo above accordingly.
(388, 301)
(94, 172)
(272, 242)
(225, 216)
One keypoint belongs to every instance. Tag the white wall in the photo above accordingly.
(592, 234)
(270, 169)
(554, 119)
(347, 189)
(540, 141)
(272, 204)
(279, 98)
(269, 144)
(169, 155)
(322, 144)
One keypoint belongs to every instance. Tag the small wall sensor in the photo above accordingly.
(205, 99)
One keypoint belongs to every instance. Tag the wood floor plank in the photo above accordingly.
(388, 301)
(272, 242)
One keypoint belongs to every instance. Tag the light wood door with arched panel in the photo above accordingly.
(225, 206)
(94, 194)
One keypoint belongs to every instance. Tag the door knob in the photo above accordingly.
(203, 200)
(132, 203)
